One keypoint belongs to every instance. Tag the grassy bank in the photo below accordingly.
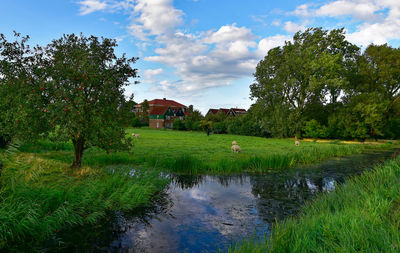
(361, 216)
(195, 152)
(40, 197)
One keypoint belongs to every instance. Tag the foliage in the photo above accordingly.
(302, 71)
(315, 130)
(178, 124)
(361, 215)
(21, 75)
(219, 127)
(196, 126)
(322, 79)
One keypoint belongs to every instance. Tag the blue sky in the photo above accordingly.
(200, 52)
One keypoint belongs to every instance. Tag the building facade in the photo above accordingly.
(163, 112)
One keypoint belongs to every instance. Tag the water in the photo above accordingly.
(208, 213)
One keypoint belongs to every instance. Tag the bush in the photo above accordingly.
(188, 124)
(136, 122)
(314, 129)
(219, 127)
(196, 126)
(178, 125)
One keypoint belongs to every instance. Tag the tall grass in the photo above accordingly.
(41, 196)
(362, 215)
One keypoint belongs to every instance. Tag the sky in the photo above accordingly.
(199, 52)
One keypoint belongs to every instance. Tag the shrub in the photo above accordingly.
(188, 124)
(178, 125)
(314, 129)
(219, 127)
(196, 126)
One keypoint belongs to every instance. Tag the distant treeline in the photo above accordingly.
(320, 85)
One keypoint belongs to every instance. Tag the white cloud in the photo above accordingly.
(149, 74)
(380, 19)
(268, 43)
(364, 10)
(154, 17)
(293, 27)
(89, 6)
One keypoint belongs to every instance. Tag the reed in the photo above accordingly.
(363, 215)
(40, 197)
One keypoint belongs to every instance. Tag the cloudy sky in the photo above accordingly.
(200, 52)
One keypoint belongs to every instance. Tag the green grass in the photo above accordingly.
(362, 215)
(195, 152)
(39, 197)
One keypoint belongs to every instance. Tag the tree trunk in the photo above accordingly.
(78, 148)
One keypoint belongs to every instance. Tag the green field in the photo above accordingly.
(362, 215)
(195, 152)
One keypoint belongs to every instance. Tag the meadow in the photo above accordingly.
(195, 152)
(362, 215)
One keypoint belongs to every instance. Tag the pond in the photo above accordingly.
(207, 213)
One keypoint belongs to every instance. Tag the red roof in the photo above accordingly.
(159, 110)
(238, 110)
(165, 102)
(213, 111)
(224, 110)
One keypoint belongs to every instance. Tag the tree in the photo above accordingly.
(302, 72)
(144, 116)
(85, 93)
(21, 75)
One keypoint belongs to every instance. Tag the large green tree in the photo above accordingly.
(312, 67)
(85, 87)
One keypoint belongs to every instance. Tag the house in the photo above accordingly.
(159, 103)
(163, 112)
(227, 112)
(236, 112)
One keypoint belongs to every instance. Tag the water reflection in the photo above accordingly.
(205, 213)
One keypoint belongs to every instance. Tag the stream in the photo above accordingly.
(206, 213)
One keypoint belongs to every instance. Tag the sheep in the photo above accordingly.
(235, 148)
(296, 142)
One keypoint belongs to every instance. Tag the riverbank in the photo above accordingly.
(362, 215)
(41, 197)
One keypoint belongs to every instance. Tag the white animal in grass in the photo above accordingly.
(136, 135)
(235, 148)
(296, 142)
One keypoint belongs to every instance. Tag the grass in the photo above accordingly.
(194, 152)
(362, 215)
(40, 197)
